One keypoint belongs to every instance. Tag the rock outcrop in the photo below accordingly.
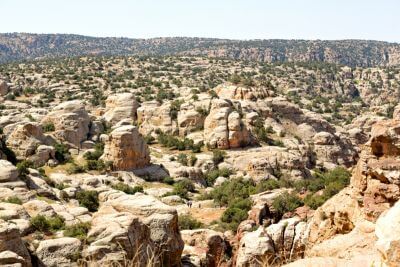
(28, 142)
(59, 251)
(234, 92)
(126, 149)
(71, 122)
(120, 107)
(152, 116)
(204, 247)
(224, 128)
(3, 88)
(12, 249)
(160, 219)
(273, 244)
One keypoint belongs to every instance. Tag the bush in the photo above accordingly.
(49, 127)
(23, 167)
(14, 200)
(43, 224)
(182, 159)
(182, 188)
(95, 165)
(233, 217)
(286, 202)
(168, 180)
(187, 222)
(331, 182)
(78, 230)
(62, 153)
(212, 175)
(96, 154)
(75, 168)
(88, 199)
(128, 189)
(218, 156)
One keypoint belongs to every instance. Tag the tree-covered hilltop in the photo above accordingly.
(362, 53)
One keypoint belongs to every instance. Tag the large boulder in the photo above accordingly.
(3, 88)
(208, 246)
(189, 119)
(235, 92)
(152, 116)
(8, 172)
(27, 142)
(388, 233)
(71, 122)
(224, 128)
(126, 149)
(59, 251)
(273, 244)
(12, 248)
(117, 236)
(120, 107)
(161, 219)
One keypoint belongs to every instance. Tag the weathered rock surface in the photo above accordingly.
(71, 122)
(224, 128)
(59, 251)
(119, 107)
(207, 246)
(12, 248)
(275, 243)
(161, 220)
(126, 149)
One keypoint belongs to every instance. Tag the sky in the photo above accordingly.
(233, 19)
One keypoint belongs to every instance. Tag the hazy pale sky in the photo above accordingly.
(235, 19)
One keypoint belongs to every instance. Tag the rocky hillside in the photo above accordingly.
(197, 161)
(22, 46)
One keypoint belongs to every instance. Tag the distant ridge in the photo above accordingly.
(361, 53)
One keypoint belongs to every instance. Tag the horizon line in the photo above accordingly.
(198, 37)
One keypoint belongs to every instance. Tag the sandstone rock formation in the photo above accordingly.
(157, 219)
(272, 244)
(224, 128)
(71, 122)
(119, 107)
(208, 246)
(28, 143)
(3, 88)
(59, 251)
(234, 92)
(152, 116)
(12, 249)
(126, 149)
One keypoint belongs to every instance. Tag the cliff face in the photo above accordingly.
(22, 46)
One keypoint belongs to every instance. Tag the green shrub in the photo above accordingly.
(43, 224)
(233, 217)
(168, 180)
(218, 156)
(49, 127)
(212, 175)
(187, 222)
(62, 153)
(95, 165)
(286, 202)
(88, 199)
(182, 159)
(96, 154)
(78, 230)
(182, 188)
(14, 200)
(75, 168)
(23, 167)
(128, 189)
